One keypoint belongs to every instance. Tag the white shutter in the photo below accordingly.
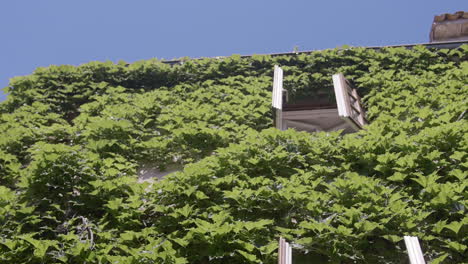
(277, 101)
(414, 250)
(348, 102)
(277, 98)
(284, 252)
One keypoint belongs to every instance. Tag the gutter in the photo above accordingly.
(436, 45)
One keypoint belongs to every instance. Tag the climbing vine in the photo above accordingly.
(74, 139)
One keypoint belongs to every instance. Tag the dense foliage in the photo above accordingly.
(74, 138)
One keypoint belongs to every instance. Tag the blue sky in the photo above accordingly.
(42, 33)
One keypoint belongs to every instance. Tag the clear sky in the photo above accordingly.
(41, 33)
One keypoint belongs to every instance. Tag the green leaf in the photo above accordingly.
(456, 246)
(397, 177)
(455, 226)
(247, 256)
(393, 238)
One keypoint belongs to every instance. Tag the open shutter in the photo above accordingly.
(348, 102)
(284, 252)
(277, 98)
(414, 250)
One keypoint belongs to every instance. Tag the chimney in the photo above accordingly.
(450, 27)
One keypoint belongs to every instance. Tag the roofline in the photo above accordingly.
(439, 45)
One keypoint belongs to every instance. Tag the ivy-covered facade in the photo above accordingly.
(74, 138)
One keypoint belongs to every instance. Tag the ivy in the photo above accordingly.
(74, 138)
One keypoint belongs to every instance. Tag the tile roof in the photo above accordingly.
(451, 17)
(450, 27)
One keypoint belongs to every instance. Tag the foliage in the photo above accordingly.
(74, 138)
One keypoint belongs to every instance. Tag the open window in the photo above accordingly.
(318, 114)
(285, 252)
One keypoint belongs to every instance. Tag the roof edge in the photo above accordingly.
(439, 45)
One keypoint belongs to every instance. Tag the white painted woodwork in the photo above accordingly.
(412, 244)
(284, 252)
(279, 124)
(414, 250)
(348, 102)
(315, 120)
(277, 101)
(277, 97)
(349, 115)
